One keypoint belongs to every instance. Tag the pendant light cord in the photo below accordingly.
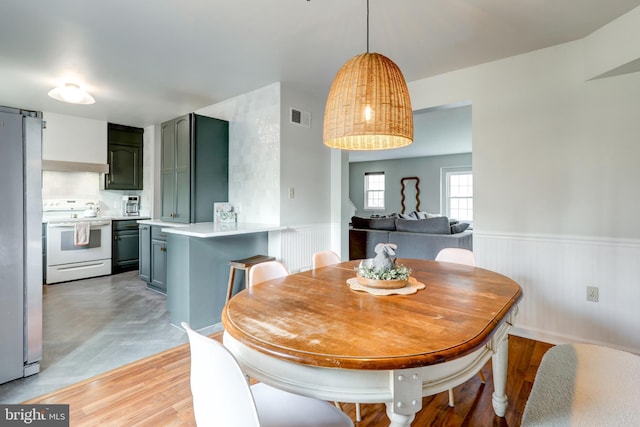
(367, 26)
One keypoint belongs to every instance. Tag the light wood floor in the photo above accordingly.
(155, 392)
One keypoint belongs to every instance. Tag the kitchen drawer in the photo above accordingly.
(125, 224)
(157, 234)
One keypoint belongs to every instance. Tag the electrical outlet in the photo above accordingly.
(292, 194)
(592, 293)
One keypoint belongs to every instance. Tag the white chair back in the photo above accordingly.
(221, 393)
(324, 258)
(457, 255)
(266, 271)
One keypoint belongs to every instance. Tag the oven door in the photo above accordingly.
(62, 250)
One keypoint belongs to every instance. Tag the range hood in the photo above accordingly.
(62, 166)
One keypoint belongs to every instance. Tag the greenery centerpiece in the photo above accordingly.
(383, 271)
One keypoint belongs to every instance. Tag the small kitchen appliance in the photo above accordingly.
(130, 205)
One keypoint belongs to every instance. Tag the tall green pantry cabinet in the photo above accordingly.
(195, 167)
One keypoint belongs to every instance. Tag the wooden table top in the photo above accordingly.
(314, 318)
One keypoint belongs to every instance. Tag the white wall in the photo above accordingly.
(304, 163)
(254, 152)
(555, 162)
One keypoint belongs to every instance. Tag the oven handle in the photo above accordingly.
(72, 224)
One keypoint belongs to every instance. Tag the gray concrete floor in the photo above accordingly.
(94, 325)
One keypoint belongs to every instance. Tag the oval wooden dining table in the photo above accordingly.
(311, 334)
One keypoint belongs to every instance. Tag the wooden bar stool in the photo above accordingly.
(245, 265)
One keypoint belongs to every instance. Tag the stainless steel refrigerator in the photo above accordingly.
(20, 243)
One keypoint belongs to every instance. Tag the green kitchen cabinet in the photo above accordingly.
(194, 167)
(125, 245)
(144, 252)
(124, 155)
(153, 257)
(158, 277)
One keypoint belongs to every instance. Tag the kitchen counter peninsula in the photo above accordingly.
(213, 229)
(198, 258)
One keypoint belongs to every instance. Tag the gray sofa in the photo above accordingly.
(420, 238)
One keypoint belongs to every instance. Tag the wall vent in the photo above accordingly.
(299, 117)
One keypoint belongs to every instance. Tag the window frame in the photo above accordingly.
(445, 174)
(367, 190)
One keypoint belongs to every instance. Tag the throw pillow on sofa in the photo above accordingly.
(439, 225)
(459, 227)
(411, 215)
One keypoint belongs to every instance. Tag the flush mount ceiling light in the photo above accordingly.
(72, 93)
(368, 107)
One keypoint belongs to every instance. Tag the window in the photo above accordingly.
(459, 195)
(374, 190)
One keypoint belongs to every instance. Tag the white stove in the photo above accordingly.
(78, 240)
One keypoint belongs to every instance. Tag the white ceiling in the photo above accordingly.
(146, 61)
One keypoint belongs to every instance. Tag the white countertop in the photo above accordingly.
(161, 223)
(211, 229)
(129, 217)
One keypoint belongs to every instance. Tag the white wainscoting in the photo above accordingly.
(299, 243)
(554, 272)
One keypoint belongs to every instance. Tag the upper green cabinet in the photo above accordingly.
(194, 167)
(124, 155)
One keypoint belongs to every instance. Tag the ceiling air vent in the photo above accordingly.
(298, 117)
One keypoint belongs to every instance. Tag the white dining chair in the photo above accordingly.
(324, 258)
(222, 395)
(458, 256)
(267, 271)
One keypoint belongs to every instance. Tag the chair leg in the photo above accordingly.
(482, 378)
(246, 277)
(358, 417)
(232, 276)
(451, 399)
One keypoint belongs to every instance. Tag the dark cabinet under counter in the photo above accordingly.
(124, 248)
(153, 257)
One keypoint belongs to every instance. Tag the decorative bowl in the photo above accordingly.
(382, 284)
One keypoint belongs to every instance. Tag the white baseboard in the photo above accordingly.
(556, 339)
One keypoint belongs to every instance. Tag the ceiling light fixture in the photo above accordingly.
(72, 93)
(368, 107)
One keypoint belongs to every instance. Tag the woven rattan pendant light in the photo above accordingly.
(368, 107)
